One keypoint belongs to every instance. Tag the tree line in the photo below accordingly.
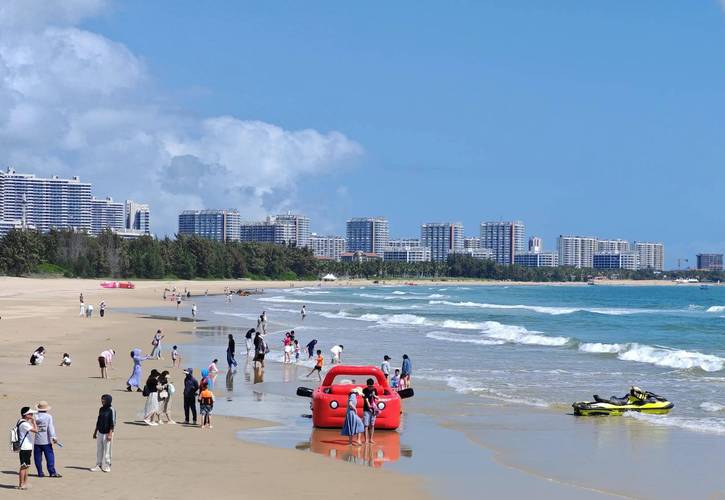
(73, 254)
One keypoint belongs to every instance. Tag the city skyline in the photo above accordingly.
(482, 111)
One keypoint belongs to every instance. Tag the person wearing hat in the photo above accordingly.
(26, 432)
(353, 425)
(191, 386)
(385, 367)
(44, 440)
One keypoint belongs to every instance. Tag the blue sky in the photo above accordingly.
(578, 117)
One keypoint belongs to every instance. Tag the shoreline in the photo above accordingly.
(45, 312)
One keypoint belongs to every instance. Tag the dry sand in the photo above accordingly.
(168, 461)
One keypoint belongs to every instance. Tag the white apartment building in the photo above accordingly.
(327, 247)
(576, 251)
(651, 255)
(407, 254)
(478, 253)
(506, 239)
(106, 214)
(296, 228)
(442, 238)
(613, 246)
(536, 244)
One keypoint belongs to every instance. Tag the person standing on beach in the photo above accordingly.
(102, 308)
(248, 339)
(206, 405)
(385, 367)
(175, 357)
(166, 390)
(353, 426)
(156, 343)
(213, 372)
(178, 301)
(370, 410)
(405, 371)
(336, 354)
(82, 312)
(311, 348)
(135, 379)
(81, 297)
(103, 434)
(260, 349)
(151, 391)
(191, 386)
(264, 322)
(105, 361)
(89, 311)
(44, 439)
(231, 346)
(27, 429)
(303, 312)
(193, 311)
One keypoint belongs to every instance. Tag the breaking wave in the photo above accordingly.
(660, 356)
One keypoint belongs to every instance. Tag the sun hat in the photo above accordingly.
(358, 390)
(42, 406)
(26, 410)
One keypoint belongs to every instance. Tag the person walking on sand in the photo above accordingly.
(26, 429)
(156, 343)
(44, 440)
(166, 391)
(406, 370)
(82, 311)
(311, 348)
(213, 372)
(102, 308)
(89, 311)
(135, 379)
(231, 346)
(353, 426)
(319, 362)
(336, 354)
(191, 386)
(151, 391)
(303, 312)
(260, 349)
(105, 361)
(103, 434)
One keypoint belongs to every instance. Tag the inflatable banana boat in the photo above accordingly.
(637, 400)
(329, 400)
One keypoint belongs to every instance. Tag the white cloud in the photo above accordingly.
(73, 102)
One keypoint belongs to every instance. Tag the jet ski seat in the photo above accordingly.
(613, 400)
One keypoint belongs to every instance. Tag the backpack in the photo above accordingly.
(15, 440)
(146, 391)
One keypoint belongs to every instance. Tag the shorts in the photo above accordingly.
(288, 349)
(317, 368)
(259, 357)
(101, 361)
(25, 458)
(205, 409)
(369, 418)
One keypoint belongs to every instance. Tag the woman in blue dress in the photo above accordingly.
(353, 425)
(135, 379)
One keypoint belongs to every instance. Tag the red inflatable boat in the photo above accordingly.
(329, 400)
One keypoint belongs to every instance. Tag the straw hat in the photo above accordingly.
(358, 390)
(42, 406)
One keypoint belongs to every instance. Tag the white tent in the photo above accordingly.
(329, 277)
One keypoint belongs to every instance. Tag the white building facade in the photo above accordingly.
(651, 255)
(327, 247)
(576, 251)
(506, 239)
(442, 238)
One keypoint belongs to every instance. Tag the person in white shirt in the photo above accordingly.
(89, 311)
(193, 311)
(337, 354)
(105, 361)
(26, 433)
(303, 312)
(66, 361)
(385, 367)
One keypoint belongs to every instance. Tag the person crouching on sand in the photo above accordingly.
(353, 425)
(105, 361)
(65, 360)
(38, 356)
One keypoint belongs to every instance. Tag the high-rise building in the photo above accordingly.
(442, 238)
(407, 254)
(477, 253)
(651, 255)
(403, 243)
(709, 261)
(576, 251)
(536, 244)
(537, 259)
(106, 214)
(506, 239)
(327, 247)
(44, 203)
(266, 231)
(616, 260)
(219, 225)
(137, 218)
(612, 246)
(470, 242)
(367, 234)
(296, 229)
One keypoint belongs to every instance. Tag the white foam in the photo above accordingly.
(597, 347)
(710, 406)
(715, 309)
(520, 335)
(671, 358)
(466, 339)
(555, 311)
(236, 315)
(462, 325)
(398, 292)
(705, 425)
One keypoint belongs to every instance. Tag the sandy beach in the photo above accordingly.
(169, 461)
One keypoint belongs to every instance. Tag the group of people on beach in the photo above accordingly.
(86, 310)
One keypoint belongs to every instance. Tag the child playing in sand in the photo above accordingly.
(175, 358)
(319, 362)
(206, 405)
(66, 361)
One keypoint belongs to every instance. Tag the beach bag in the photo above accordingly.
(15, 439)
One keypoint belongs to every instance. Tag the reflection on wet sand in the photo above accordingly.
(230, 383)
(329, 442)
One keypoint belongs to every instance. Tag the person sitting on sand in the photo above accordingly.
(38, 356)
(65, 360)
(353, 425)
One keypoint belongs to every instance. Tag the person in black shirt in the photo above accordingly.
(248, 338)
(191, 386)
(230, 353)
(311, 348)
(370, 410)
(103, 434)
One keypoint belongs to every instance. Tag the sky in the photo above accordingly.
(593, 118)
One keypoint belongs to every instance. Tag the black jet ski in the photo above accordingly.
(637, 400)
